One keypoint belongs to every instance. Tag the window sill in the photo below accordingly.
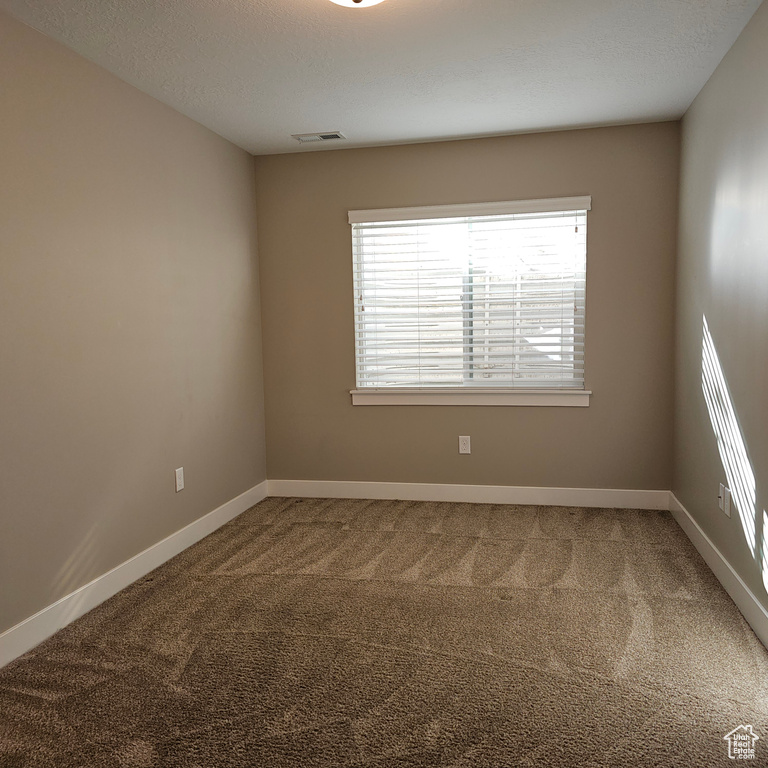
(578, 398)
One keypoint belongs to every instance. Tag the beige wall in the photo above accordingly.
(129, 322)
(623, 440)
(723, 275)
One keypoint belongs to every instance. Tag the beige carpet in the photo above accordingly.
(391, 633)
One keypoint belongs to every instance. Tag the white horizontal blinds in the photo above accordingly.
(471, 301)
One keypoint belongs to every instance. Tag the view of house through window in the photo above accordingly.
(478, 296)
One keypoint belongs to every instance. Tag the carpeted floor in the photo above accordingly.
(390, 633)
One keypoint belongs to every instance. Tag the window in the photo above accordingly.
(471, 304)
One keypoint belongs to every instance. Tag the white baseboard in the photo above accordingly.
(477, 494)
(32, 631)
(751, 608)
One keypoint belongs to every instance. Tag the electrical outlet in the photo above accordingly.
(464, 446)
(721, 498)
(179, 479)
(727, 502)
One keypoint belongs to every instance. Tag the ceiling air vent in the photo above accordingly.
(305, 138)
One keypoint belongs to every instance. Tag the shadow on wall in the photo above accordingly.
(733, 450)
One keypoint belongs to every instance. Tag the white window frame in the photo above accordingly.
(461, 396)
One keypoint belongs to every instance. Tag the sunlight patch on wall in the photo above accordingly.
(765, 550)
(730, 441)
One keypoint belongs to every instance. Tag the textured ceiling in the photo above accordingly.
(257, 71)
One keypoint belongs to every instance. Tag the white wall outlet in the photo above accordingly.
(179, 479)
(727, 502)
(721, 497)
(464, 446)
